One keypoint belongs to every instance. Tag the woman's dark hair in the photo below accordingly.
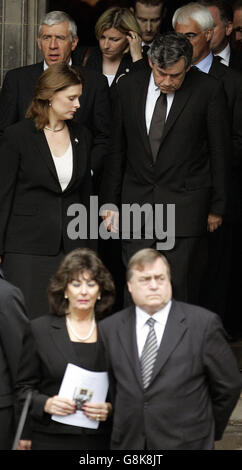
(74, 263)
(56, 78)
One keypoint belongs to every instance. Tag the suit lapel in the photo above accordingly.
(180, 99)
(141, 96)
(61, 339)
(174, 331)
(44, 151)
(75, 152)
(127, 336)
(217, 70)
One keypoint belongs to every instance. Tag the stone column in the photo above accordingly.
(19, 21)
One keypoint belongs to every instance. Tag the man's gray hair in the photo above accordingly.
(167, 49)
(143, 257)
(196, 12)
(56, 17)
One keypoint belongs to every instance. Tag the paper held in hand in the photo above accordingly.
(82, 385)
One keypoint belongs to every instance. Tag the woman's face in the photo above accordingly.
(82, 293)
(65, 103)
(113, 43)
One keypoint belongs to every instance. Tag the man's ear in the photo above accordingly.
(74, 43)
(229, 28)
(132, 10)
(150, 63)
(209, 34)
(39, 42)
(129, 287)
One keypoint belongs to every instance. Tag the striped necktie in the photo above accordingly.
(149, 354)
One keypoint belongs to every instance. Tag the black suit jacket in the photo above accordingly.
(47, 349)
(13, 324)
(235, 60)
(94, 112)
(190, 167)
(232, 82)
(33, 207)
(194, 386)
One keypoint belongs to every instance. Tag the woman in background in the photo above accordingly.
(119, 50)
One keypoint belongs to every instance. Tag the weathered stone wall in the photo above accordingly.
(19, 21)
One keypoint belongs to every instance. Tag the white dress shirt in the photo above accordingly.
(205, 64)
(225, 54)
(152, 96)
(46, 65)
(64, 167)
(110, 78)
(142, 329)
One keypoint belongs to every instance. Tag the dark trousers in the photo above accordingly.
(6, 428)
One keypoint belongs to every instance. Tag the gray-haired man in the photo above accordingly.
(57, 39)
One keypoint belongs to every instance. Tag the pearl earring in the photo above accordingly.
(65, 296)
(99, 297)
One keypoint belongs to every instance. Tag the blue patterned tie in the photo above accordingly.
(149, 354)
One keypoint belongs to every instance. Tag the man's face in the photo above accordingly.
(171, 78)
(150, 286)
(149, 20)
(237, 25)
(56, 44)
(199, 39)
(221, 31)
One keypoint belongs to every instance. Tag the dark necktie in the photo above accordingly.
(145, 50)
(217, 58)
(149, 354)
(157, 124)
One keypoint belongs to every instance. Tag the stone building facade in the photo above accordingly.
(19, 21)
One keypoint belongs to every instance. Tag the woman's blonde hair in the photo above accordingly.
(119, 18)
(56, 78)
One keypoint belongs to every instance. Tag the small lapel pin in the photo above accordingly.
(76, 140)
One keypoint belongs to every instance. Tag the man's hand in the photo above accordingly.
(214, 221)
(23, 444)
(111, 219)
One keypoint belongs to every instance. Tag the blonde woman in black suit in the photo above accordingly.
(44, 168)
(119, 50)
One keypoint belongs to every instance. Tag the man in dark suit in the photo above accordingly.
(175, 378)
(13, 321)
(222, 13)
(57, 40)
(196, 22)
(188, 168)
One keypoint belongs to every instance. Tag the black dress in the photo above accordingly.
(46, 352)
(72, 437)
